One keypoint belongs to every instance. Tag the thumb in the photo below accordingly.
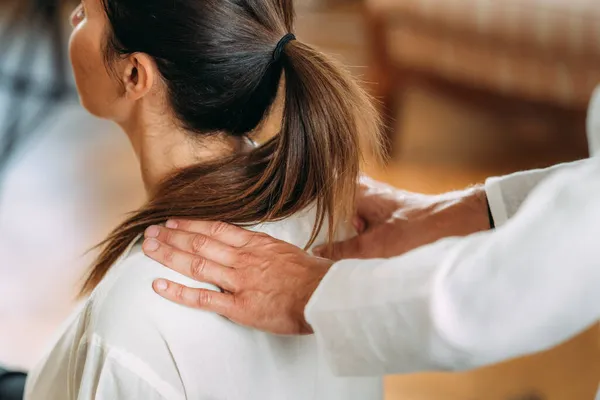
(341, 250)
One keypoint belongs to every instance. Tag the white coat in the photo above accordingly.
(463, 303)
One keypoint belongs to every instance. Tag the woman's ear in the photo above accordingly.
(138, 76)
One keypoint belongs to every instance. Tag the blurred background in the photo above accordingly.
(469, 89)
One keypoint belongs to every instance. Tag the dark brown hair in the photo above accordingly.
(216, 58)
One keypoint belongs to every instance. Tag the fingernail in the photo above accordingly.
(160, 285)
(359, 224)
(171, 224)
(152, 232)
(151, 245)
(318, 251)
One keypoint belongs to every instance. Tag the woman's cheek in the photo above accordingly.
(75, 53)
(82, 64)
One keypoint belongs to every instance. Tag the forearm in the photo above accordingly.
(463, 303)
(468, 211)
(503, 195)
(372, 317)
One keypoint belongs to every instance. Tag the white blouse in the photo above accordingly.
(126, 342)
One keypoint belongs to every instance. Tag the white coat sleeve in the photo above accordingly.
(506, 194)
(467, 302)
(593, 124)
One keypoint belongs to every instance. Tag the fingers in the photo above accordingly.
(220, 303)
(194, 266)
(342, 250)
(359, 224)
(369, 201)
(364, 183)
(193, 243)
(225, 233)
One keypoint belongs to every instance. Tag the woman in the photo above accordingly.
(189, 82)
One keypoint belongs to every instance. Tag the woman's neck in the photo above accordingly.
(163, 148)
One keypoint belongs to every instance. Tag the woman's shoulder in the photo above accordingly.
(125, 305)
(131, 320)
(121, 331)
(133, 274)
(298, 229)
(125, 308)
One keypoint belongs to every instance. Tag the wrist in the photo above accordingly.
(478, 209)
(465, 212)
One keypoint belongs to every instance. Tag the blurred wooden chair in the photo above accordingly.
(537, 51)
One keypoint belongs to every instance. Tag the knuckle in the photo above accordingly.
(218, 228)
(264, 239)
(258, 239)
(244, 258)
(204, 298)
(178, 293)
(198, 243)
(168, 236)
(237, 279)
(240, 303)
(168, 255)
(184, 225)
(198, 267)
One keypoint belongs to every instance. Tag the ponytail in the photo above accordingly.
(326, 121)
(313, 161)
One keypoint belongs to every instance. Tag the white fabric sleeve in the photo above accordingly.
(593, 124)
(505, 194)
(467, 302)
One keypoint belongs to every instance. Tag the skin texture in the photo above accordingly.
(129, 91)
(393, 222)
(267, 283)
(87, 62)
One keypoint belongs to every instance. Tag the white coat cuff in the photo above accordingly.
(493, 190)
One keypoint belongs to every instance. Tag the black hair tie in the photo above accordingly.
(281, 46)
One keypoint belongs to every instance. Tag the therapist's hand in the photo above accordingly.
(266, 282)
(392, 222)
